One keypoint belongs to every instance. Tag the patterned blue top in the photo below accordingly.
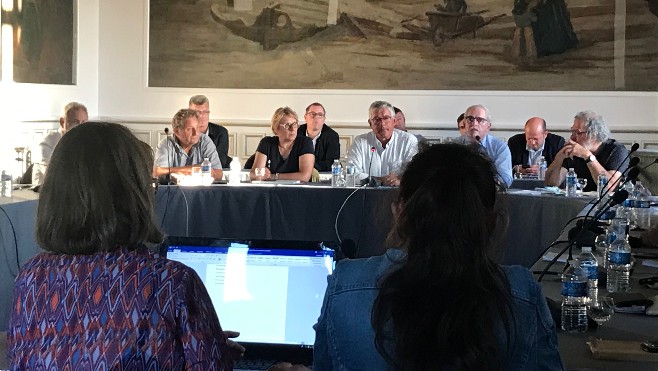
(113, 310)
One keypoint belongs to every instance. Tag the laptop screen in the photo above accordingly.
(270, 296)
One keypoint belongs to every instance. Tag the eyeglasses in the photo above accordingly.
(472, 119)
(290, 125)
(315, 114)
(379, 120)
(203, 113)
(577, 132)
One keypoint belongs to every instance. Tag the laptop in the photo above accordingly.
(271, 295)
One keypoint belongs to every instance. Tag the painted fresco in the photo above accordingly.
(581, 45)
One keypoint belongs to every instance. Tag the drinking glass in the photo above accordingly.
(260, 173)
(601, 310)
(581, 183)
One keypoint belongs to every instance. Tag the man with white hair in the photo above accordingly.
(382, 152)
(477, 124)
(73, 115)
(590, 151)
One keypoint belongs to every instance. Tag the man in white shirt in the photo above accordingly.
(382, 152)
(73, 115)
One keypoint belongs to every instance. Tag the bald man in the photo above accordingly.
(536, 141)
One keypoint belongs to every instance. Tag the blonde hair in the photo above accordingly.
(279, 114)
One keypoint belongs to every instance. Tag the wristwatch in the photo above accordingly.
(590, 158)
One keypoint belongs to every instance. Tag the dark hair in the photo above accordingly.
(317, 105)
(460, 118)
(97, 194)
(442, 304)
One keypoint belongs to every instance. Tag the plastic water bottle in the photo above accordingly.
(642, 210)
(574, 300)
(206, 169)
(336, 170)
(6, 186)
(571, 183)
(235, 174)
(542, 167)
(588, 263)
(619, 265)
(350, 174)
(629, 205)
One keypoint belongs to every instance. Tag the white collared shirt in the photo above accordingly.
(533, 156)
(383, 161)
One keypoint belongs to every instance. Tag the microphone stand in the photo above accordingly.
(617, 199)
(370, 180)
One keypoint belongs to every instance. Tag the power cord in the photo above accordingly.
(13, 231)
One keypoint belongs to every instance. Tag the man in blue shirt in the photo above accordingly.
(477, 124)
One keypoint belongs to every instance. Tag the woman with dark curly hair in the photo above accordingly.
(439, 302)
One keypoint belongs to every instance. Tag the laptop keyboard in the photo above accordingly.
(253, 364)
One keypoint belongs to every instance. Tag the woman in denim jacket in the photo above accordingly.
(439, 302)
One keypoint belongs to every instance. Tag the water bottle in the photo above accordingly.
(642, 210)
(571, 183)
(601, 183)
(628, 208)
(336, 170)
(588, 263)
(206, 169)
(6, 186)
(619, 265)
(350, 174)
(542, 167)
(235, 171)
(574, 300)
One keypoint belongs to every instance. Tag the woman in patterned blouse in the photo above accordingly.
(98, 298)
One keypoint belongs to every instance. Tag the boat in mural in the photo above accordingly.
(271, 27)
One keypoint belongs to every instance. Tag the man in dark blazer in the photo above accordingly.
(536, 141)
(217, 133)
(325, 139)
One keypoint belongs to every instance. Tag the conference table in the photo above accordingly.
(621, 327)
(315, 212)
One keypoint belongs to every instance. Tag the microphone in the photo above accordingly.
(371, 182)
(652, 162)
(477, 137)
(616, 199)
(167, 178)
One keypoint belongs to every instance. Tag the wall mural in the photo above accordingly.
(577, 45)
(44, 47)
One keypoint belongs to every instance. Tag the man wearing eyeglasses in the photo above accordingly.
(477, 124)
(325, 140)
(217, 133)
(590, 152)
(535, 142)
(382, 152)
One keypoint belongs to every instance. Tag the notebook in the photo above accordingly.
(272, 296)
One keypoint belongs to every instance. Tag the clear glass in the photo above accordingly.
(259, 172)
(601, 311)
(581, 183)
